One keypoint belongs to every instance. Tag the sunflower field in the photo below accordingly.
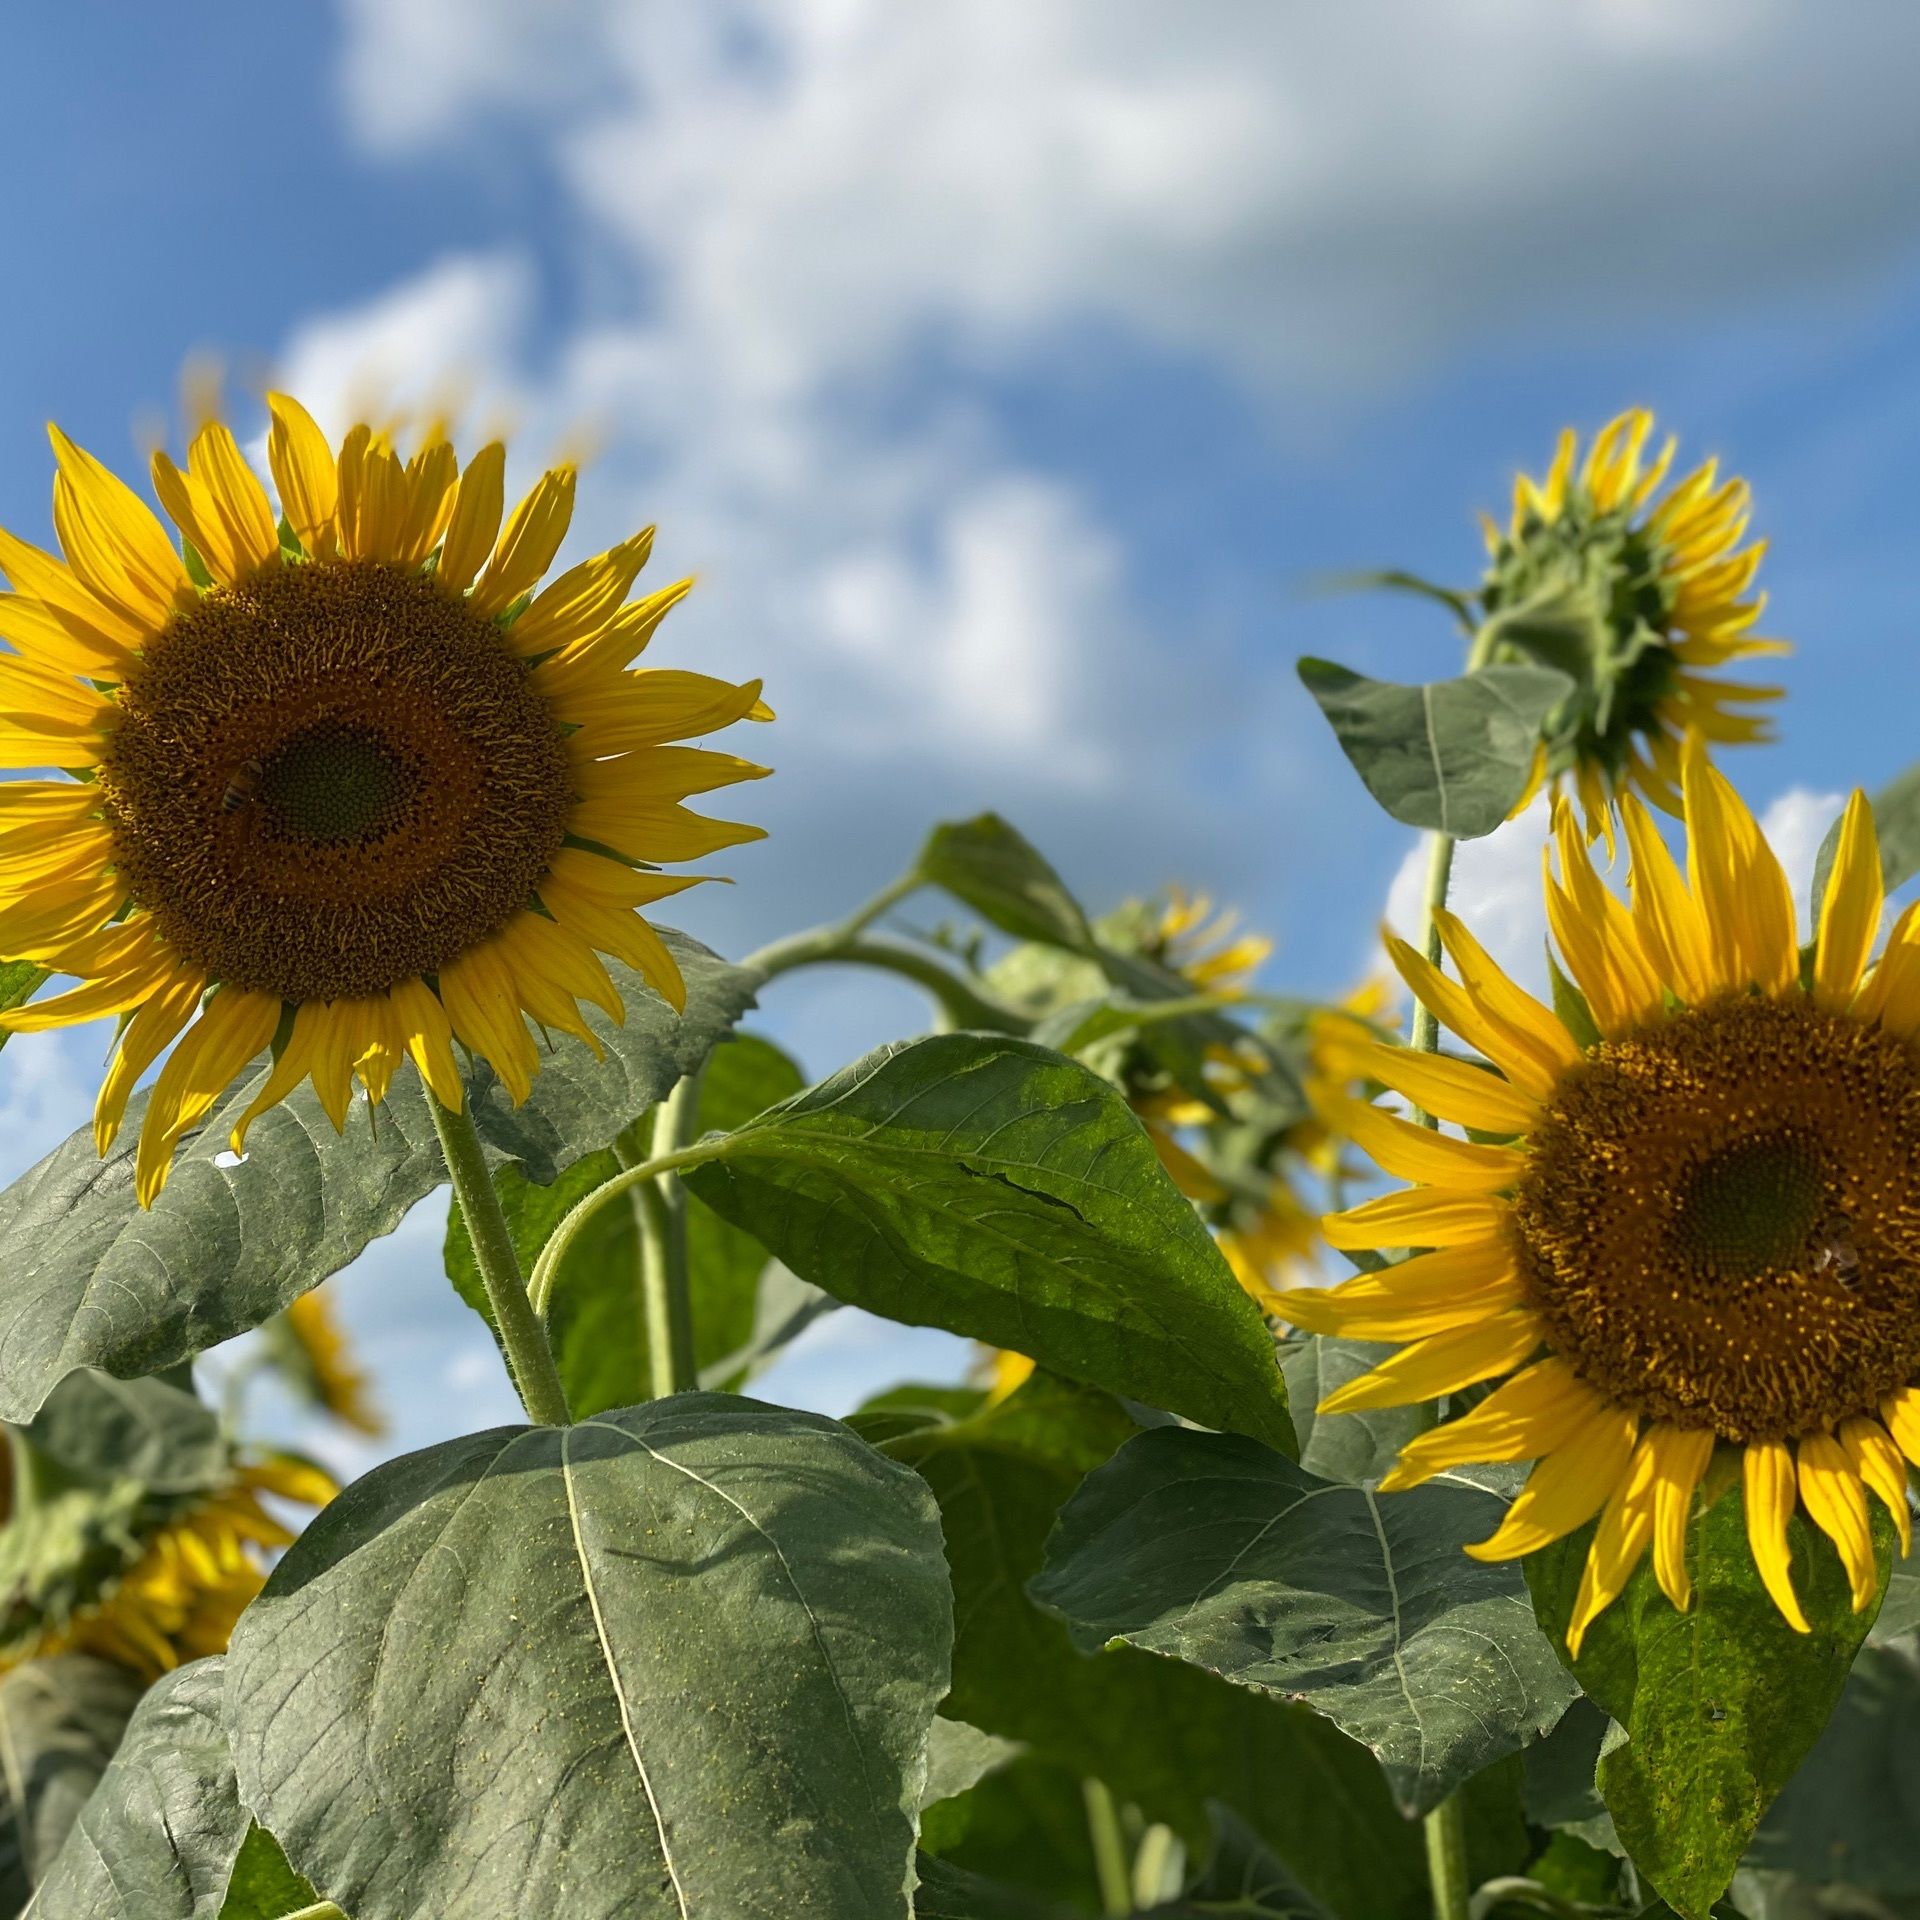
(1440, 1453)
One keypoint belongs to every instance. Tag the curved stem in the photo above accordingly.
(529, 1358)
(1110, 1864)
(540, 1285)
(665, 1276)
(1447, 1860)
(826, 946)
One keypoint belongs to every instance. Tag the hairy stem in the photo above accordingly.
(529, 1358)
(962, 1004)
(665, 1279)
(1447, 1860)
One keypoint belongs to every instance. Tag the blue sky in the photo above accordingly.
(1010, 375)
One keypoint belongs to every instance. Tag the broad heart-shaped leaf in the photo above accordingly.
(985, 1185)
(158, 1838)
(61, 1719)
(959, 1757)
(1351, 1447)
(1167, 1738)
(596, 1321)
(1452, 755)
(678, 1660)
(947, 1892)
(992, 867)
(105, 1429)
(1212, 1550)
(94, 1281)
(263, 1886)
(1852, 1812)
(1720, 1704)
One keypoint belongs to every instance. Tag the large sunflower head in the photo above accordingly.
(345, 781)
(1639, 594)
(145, 1579)
(1692, 1227)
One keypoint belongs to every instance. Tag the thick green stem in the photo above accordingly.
(665, 1276)
(1426, 1025)
(1447, 1860)
(1110, 1863)
(529, 1358)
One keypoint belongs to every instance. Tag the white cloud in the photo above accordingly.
(1296, 191)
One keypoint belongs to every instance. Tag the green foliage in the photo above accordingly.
(1720, 1704)
(1452, 755)
(990, 1187)
(20, 980)
(94, 1281)
(1209, 1549)
(701, 1640)
(992, 867)
(157, 1840)
(1896, 822)
(1167, 1738)
(104, 1430)
(61, 1719)
(263, 1886)
(595, 1320)
(1350, 1447)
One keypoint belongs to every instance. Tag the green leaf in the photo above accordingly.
(20, 980)
(1852, 1812)
(158, 1838)
(948, 1892)
(1167, 1738)
(991, 867)
(1241, 1881)
(681, 1660)
(1720, 1704)
(263, 1886)
(960, 1757)
(61, 1719)
(1351, 1447)
(1209, 1549)
(1896, 823)
(1561, 1792)
(104, 1430)
(1452, 755)
(94, 1281)
(985, 1185)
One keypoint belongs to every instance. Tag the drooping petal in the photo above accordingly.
(1620, 1543)
(1441, 1364)
(1567, 1488)
(145, 1037)
(1836, 1502)
(1770, 1483)
(1880, 1467)
(233, 1027)
(1531, 1415)
(1680, 1456)
(292, 1066)
(429, 1040)
(477, 992)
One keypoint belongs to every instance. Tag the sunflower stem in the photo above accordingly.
(1447, 1860)
(529, 1358)
(665, 1279)
(962, 1005)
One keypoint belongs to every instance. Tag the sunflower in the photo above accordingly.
(1698, 1231)
(308, 1347)
(343, 784)
(1641, 596)
(149, 1582)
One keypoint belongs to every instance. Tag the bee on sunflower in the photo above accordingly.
(1641, 595)
(1693, 1234)
(346, 782)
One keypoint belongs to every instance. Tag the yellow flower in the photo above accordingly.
(1642, 596)
(347, 783)
(1202, 947)
(1702, 1231)
(310, 1349)
(177, 1587)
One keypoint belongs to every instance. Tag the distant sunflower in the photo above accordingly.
(309, 1348)
(1659, 589)
(1703, 1230)
(148, 1582)
(344, 784)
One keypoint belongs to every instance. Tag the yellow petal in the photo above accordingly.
(296, 1059)
(429, 1040)
(40, 576)
(1619, 1544)
(306, 472)
(1900, 1411)
(1532, 1031)
(1442, 1364)
(1850, 914)
(238, 500)
(1536, 1412)
(1673, 933)
(1596, 937)
(1878, 1463)
(1456, 1009)
(233, 1027)
(527, 546)
(1769, 1477)
(588, 665)
(119, 551)
(1891, 995)
(337, 1043)
(1417, 1217)
(583, 599)
(1739, 884)
(477, 992)
(141, 1043)
(111, 993)
(46, 635)
(1680, 1456)
(1419, 1154)
(1836, 1502)
(477, 504)
(1449, 1089)
(1567, 1488)
(1431, 1293)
